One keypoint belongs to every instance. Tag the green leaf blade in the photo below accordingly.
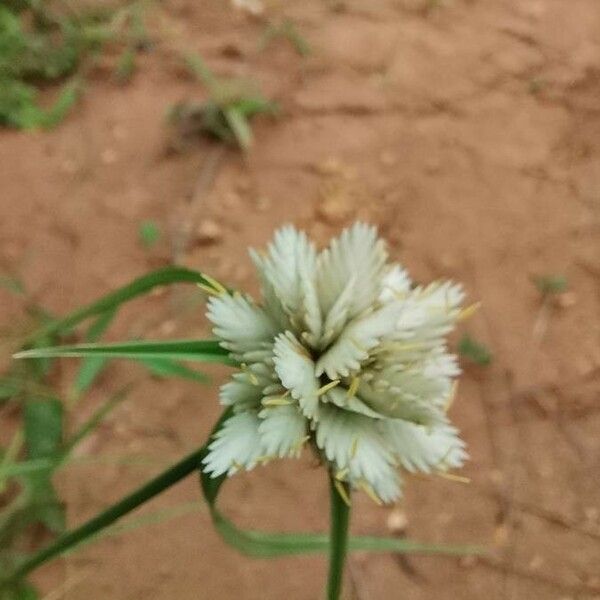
(185, 350)
(138, 287)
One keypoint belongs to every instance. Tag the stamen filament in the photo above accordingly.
(281, 401)
(454, 477)
(468, 312)
(218, 287)
(354, 447)
(341, 474)
(253, 378)
(327, 387)
(370, 492)
(452, 396)
(341, 491)
(353, 387)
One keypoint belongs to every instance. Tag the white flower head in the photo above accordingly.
(344, 352)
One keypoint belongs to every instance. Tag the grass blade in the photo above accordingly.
(136, 288)
(190, 350)
(93, 422)
(239, 125)
(270, 545)
(91, 366)
(163, 367)
(253, 543)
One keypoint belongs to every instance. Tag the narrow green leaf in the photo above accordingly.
(239, 125)
(136, 288)
(249, 542)
(99, 415)
(169, 368)
(25, 467)
(126, 66)
(474, 351)
(43, 427)
(9, 386)
(190, 350)
(92, 366)
(9, 456)
(106, 518)
(198, 67)
(42, 420)
(265, 545)
(66, 100)
(12, 284)
(550, 284)
(21, 591)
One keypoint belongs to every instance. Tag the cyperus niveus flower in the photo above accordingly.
(343, 352)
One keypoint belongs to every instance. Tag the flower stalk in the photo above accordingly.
(340, 519)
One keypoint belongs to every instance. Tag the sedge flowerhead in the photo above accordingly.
(342, 352)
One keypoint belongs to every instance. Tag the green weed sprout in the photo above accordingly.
(344, 356)
(474, 351)
(550, 284)
(227, 114)
(149, 234)
(51, 49)
(286, 30)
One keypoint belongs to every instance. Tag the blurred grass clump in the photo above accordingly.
(38, 443)
(38, 437)
(227, 113)
(42, 45)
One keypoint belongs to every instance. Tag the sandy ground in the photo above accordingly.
(469, 132)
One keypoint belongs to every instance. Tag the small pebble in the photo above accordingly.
(565, 300)
(397, 521)
(209, 232)
(334, 210)
(167, 327)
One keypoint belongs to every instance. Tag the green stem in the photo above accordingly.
(340, 518)
(159, 484)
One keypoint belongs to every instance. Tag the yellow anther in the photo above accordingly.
(339, 486)
(280, 401)
(454, 477)
(451, 396)
(327, 387)
(218, 287)
(236, 465)
(467, 313)
(353, 387)
(442, 460)
(264, 459)
(370, 492)
(298, 445)
(354, 447)
(253, 378)
(209, 290)
(341, 474)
